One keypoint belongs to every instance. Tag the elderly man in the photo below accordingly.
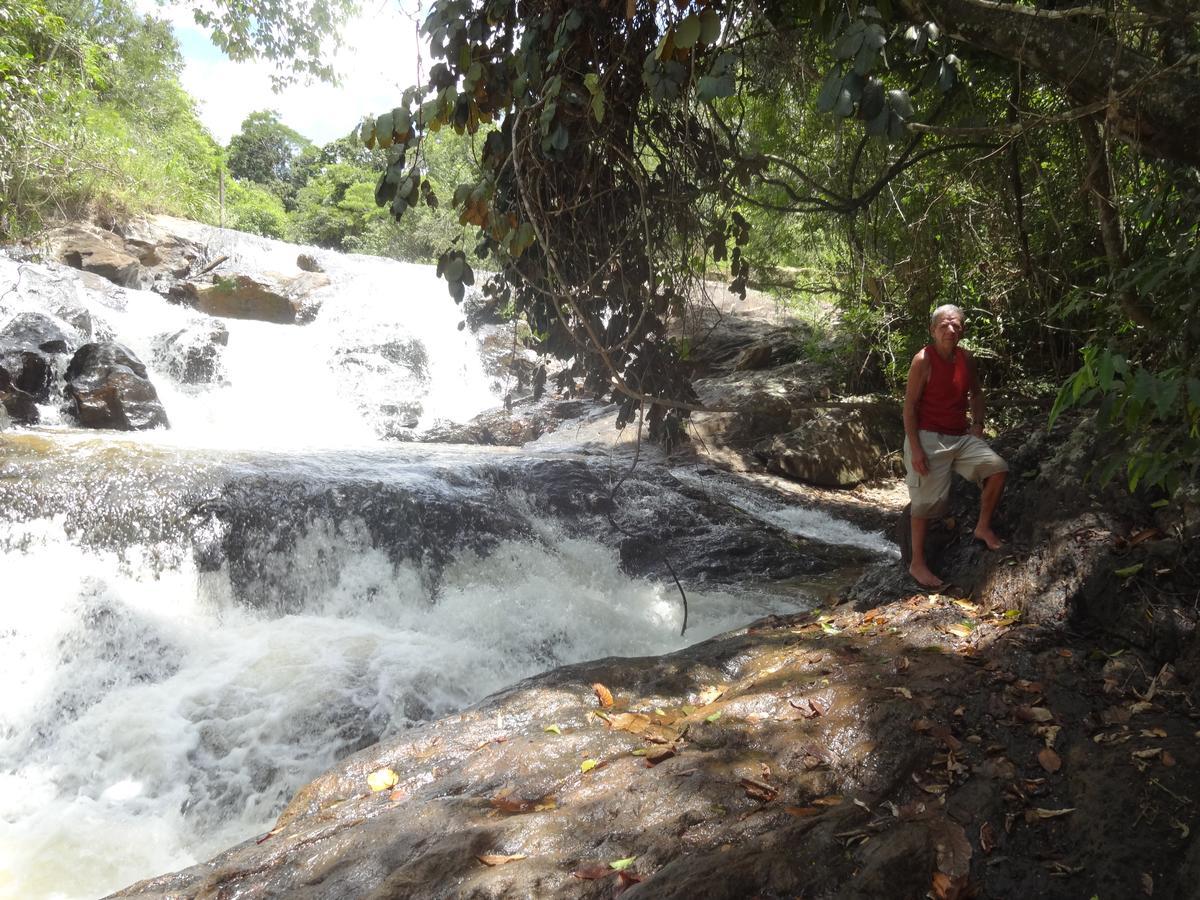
(939, 438)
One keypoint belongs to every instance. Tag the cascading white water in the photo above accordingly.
(152, 712)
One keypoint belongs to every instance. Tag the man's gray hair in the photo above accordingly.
(944, 310)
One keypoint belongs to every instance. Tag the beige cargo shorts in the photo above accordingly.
(965, 454)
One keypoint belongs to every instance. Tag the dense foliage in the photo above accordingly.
(927, 150)
(93, 116)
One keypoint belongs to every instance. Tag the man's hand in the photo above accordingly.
(919, 462)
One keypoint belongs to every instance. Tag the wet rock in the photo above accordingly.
(306, 262)
(837, 446)
(514, 427)
(108, 387)
(28, 371)
(192, 355)
(506, 360)
(97, 251)
(18, 405)
(267, 298)
(396, 369)
(40, 331)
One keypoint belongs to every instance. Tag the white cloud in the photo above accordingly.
(377, 61)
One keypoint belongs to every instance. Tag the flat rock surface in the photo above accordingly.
(927, 746)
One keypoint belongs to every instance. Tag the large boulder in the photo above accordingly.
(108, 387)
(267, 298)
(28, 343)
(34, 330)
(97, 251)
(837, 446)
(192, 354)
(16, 403)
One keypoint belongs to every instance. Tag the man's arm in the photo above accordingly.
(918, 377)
(974, 396)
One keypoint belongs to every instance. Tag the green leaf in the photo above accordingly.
(552, 729)
(1128, 571)
(587, 765)
(620, 865)
(898, 100)
(687, 32)
(710, 26)
(383, 130)
(598, 107)
(591, 81)
(713, 717)
(851, 41)
(831, 88)
(844, 105)
(454, 269)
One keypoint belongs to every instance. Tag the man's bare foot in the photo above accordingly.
(924, 577)
(989, 538)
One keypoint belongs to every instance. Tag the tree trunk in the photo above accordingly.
(1154, 109)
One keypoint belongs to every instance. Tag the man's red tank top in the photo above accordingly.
(943, 405)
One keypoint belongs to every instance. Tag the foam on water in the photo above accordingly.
(148, 723)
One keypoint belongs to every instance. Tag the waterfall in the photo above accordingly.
(198, 621)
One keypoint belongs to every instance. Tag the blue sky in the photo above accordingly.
(377, 61)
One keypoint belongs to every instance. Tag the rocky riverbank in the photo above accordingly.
(1030, 732)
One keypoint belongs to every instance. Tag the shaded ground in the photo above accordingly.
(926, 745)
(1034, 734)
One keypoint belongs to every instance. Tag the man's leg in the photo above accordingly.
(993, 487)
(918, 568)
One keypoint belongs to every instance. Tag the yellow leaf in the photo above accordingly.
(621, 864)
(552, 729)
(588, 764)
(382, 779)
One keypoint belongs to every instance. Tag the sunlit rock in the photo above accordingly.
(107, 387)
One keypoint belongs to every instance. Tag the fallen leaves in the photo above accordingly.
(809, 708)
(382, 780)
(1037, 814)
(1049, 760)
(587, 765)
(953, 858)
(758, 790)
(493, 859)
(1033, 714)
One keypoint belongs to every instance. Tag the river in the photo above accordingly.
(197, 621)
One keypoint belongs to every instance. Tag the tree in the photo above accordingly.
(264, 151)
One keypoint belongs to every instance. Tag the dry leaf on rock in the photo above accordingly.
(655, 755)
(382, 779)
(758, 790)
(593, 871)
(987, 838)
(1033, 714)
(1033, 815)
(902, 691)
(953, 848)
(803, 812)
(603, 695)
(809, 708)
(708, 694)
(497, 860)
(1167, 758)
(1049, 760)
